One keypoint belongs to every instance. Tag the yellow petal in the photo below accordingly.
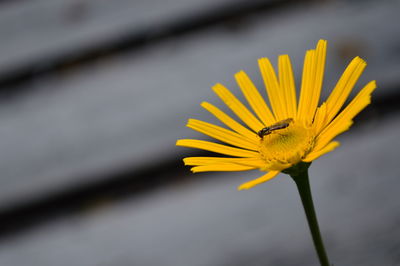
(327, 136)
(328, 148)
(201, 161)
(222, 134)
(319, 76)
(320, 118)
(215, 147)
(221, 167)
(344, 120)
(227, 120)
(359, 102)
(313, 73)
(237, 107)
(344, 86)
(288, 88)
(275, 95)
(306, 90)
(259, 180)
(254, 98)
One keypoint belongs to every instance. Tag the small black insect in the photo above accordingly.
(279, 125)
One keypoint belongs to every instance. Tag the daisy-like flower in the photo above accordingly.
(291, 131)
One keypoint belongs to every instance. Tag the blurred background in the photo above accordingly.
(94, 94)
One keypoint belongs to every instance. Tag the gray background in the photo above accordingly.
(94, 94)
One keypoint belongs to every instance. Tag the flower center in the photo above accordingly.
(286, 147)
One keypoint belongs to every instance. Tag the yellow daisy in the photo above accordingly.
(291, 131)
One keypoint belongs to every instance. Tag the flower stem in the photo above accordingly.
(303, 185)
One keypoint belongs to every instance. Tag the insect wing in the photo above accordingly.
(279, 125)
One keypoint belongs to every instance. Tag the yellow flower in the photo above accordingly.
(307, 133)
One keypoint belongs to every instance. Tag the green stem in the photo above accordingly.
(303, 185)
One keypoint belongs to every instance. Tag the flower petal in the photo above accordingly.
(274, 92)
(320, 53)
(320, 118)
(254, 98)
(227, 120)
(259, 180)
(306, 90)
(324, 138)
(314, 155)
(201, 161)
(288, 88)
(344, 120)
(313, 73)
(344, 86)
(221, 168)
(222, 134)
(237, 107)
(359, 102)
(215, 147)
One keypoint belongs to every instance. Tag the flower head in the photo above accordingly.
(291, 131)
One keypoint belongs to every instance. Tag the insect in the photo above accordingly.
(279, 125)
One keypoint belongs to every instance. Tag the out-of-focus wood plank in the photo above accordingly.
(128, 112)
(33, 31)
(208, 222)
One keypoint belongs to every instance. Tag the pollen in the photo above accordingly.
(287, 146)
